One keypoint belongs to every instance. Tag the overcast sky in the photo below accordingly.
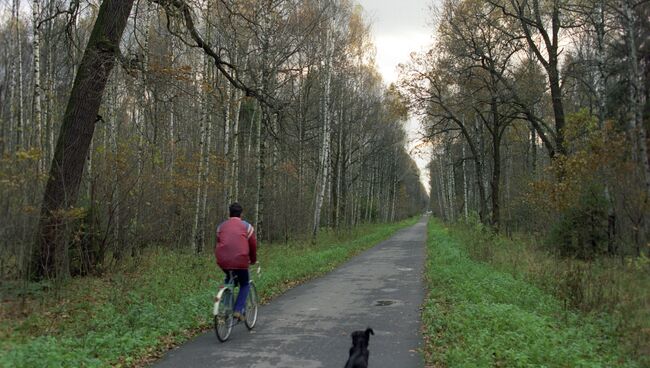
(400, 27)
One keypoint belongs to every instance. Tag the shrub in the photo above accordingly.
(581, 230)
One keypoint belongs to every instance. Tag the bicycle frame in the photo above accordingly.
(228, 286)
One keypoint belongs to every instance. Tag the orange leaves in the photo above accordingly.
(597, 155)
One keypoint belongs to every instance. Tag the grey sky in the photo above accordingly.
(400, 27)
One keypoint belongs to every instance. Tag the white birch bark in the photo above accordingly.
(50, 104)
(601, 93)
(197, 241)
(321, 184)
(227, 102)
(140, 113)
(172, 140)
(204, 179)
(234, 174)
(113, 132)
(20, 126)
(37, 83)
(12, 86)
(260, 149)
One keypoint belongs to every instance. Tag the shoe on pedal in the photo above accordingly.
(238, 316)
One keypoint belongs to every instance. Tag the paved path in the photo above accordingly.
(310, 325)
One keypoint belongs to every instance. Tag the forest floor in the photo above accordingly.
(479, 315)
(131, 315)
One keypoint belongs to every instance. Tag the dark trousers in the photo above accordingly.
(241, 278)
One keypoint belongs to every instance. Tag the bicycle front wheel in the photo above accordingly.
(223, 319)
(252, 303)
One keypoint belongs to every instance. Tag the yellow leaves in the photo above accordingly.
(32, 154)
(72, 213)
(30, 210)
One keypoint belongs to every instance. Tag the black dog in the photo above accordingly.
(359, 350)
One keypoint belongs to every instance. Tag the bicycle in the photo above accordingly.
(224, 307)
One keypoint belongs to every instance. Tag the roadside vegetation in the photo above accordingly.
(137, 311)
(495, 311)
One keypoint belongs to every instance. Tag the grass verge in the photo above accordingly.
(477, 316)
(132, 315)
(616, 289)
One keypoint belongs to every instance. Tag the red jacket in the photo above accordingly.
(236, 244)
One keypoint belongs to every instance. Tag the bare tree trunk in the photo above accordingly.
(601, 92)
(227, 102)
(234, 176)
(141, 112)
(452, 186)
(371, 195)
(481, 171)
(442, 190)
(325, 145)
(204, 181)
(113, 138)
(20, 126)
(533, 151)
(37, 84)
(395, 194)
(172, 141)
(197, 240)
(465, 194)
(261, 151)
(76, 134)
(12, 87)
(50, 97)
(636, 95)
(338, 185)
(197, 208)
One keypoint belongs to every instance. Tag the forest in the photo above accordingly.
(127, 128)
(196, 104)
(537, 112)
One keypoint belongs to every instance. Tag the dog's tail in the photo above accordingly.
(369, 332)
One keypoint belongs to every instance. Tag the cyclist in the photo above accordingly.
(235, 250)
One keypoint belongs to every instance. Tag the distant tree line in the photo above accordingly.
(199, 103)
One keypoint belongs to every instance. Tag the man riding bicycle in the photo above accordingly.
(235, 250)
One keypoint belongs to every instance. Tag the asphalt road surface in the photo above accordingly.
(309, 326)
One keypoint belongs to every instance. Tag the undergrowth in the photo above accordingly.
(161, 299)
(478, 316)
(612, 289)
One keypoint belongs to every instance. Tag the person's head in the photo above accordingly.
(235, 210)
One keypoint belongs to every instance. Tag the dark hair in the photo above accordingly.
(235, 210)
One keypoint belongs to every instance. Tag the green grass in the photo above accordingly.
(477, 316)
(612, 290)
(133, 314)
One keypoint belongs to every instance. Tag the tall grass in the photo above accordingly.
(478, 316)
(613, 289)
(164, 297)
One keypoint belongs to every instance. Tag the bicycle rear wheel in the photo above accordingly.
(223, 320)
(252, 303)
